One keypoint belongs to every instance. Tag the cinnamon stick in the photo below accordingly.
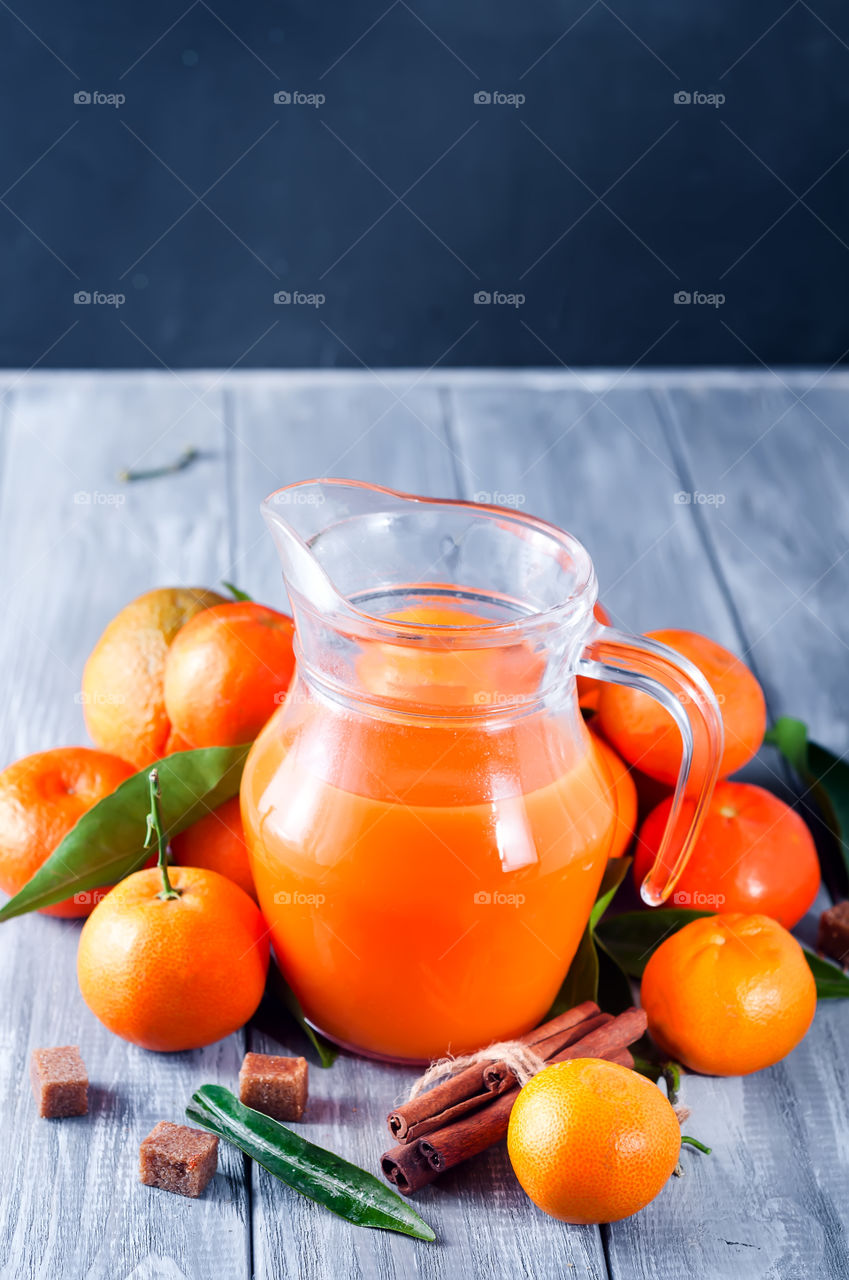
(413, 1165)
(467, 1090)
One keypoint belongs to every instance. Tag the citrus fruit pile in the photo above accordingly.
(178, 668)
(176, 958)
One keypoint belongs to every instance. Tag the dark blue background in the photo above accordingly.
(498, 198)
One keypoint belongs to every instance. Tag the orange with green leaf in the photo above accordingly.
(173, 960)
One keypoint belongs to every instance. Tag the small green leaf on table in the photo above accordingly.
(108, 842)
(321, 1175)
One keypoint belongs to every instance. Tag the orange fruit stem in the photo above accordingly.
(154, 829)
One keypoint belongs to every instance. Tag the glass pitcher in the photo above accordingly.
(427, 816)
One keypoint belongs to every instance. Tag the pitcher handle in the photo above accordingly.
(684, 692)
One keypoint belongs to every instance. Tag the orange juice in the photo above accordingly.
(427, 816)
(426, 882)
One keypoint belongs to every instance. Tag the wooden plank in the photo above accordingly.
(74, 1205)
(780, 532)
(780, 540)
(764, 1203)
(601, 468)
(772, 1199)
(484, 1224)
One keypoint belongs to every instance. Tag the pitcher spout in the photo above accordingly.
(296, 516)
(430, 601)
(354, 549)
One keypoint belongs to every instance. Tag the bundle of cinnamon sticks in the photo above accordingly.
(469, 1111)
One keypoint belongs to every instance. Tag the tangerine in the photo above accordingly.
(754, 854)
(592, 1141)
(647, 737)
(227, 671)
(729, 994)
(123, 691)
(173, 973)
(41, 798)
(217, 842)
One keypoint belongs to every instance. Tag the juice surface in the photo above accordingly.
(426, 883)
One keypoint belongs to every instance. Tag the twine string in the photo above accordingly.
(518, 1057)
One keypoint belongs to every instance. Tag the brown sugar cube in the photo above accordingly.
(833, 936)
(177, 1158)
(274, 1085)
(59, 1081)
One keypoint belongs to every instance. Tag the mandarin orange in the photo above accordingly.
(592, 1141)
(729, 994)
(41, 798)
(217, 843)
(123, 681)
(647, 737)
(173, 973)
(754, 854)
(227, 671)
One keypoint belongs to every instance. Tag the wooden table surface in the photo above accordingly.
(717, 501)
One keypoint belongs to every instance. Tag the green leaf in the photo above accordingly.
(236, 592)
(632, 937)
(582, 981)
(327, 1053)
(107, 842)
(825, 774)
(345, 1189)
(791, 738)
(614, 874)
(832, 982)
